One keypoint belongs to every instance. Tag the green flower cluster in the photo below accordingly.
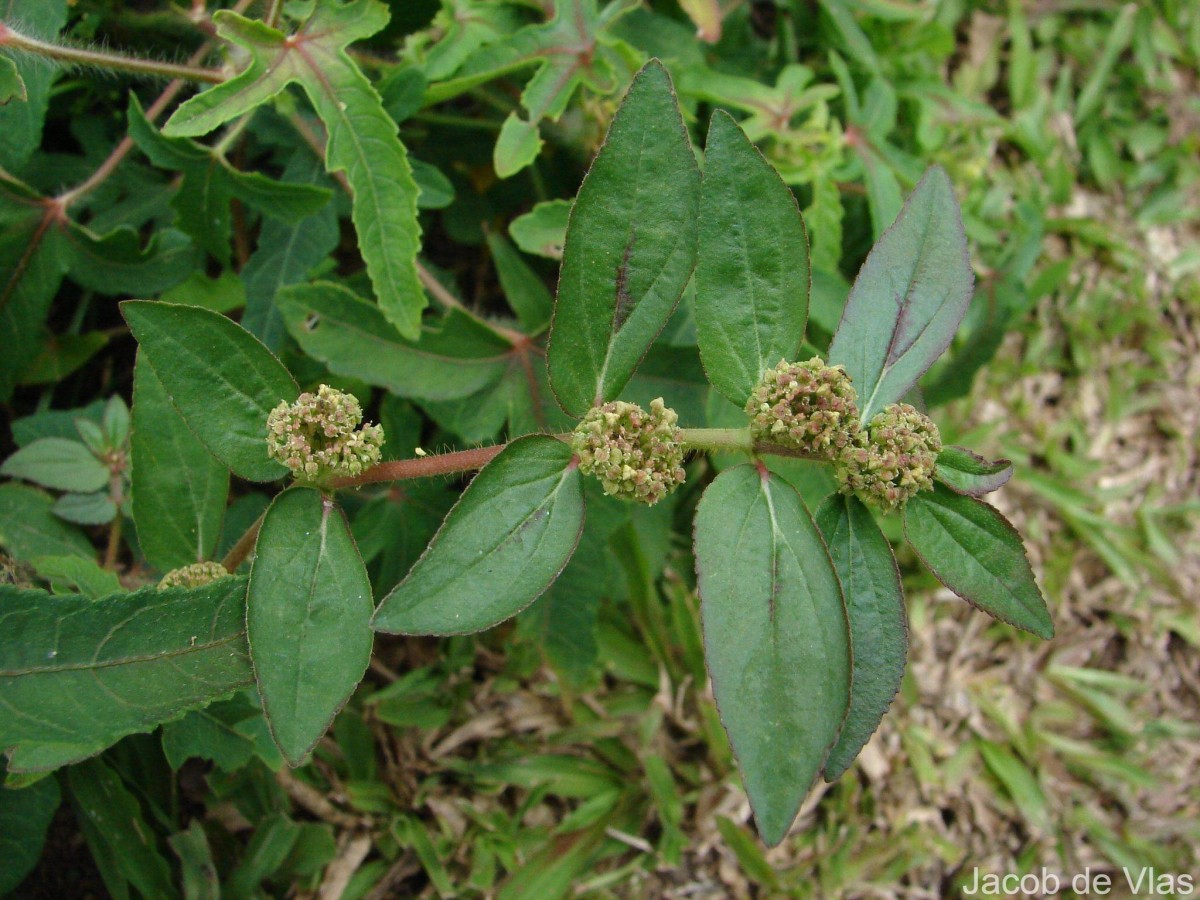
(195, 575)
(635, 454)
(318, 437)
(892, 459)
(808, 405)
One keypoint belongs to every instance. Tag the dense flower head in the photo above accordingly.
(807, 405)
(318, 437)
(636, 454)
(195, 575)
(892, 459)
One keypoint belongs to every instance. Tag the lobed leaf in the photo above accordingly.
(179, 489)
(752, 274)
(867, 569)
(78, 674)
(968, 473)
(509, 536)
(775, 635)
(361, 140)
(630, 246)
(308, 611)
(908, 299)
(975, 551)
(223, 382)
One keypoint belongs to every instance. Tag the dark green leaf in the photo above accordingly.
(25, 816)
(974, 551)
(968, 473)
(223, 382)
(21, 121)
(631, 245)
(307, 618)
(863, 560)
(270, 845)
(179, 489)
(59, 464)
(209, 183)
(222, 732)
(752, 277)
(524, 289)
(115, 263)
(61, 356)
(909, 298)
(33, 260)
(77, 674)
(285, 254)
(775, 637)
(78, 575)
(86, 509)
(505, 541)
(200, 881)
(352, 338)
(111, 819)
(12, 87)
(362, 139)
(29, 529)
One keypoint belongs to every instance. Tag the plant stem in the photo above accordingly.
(718, 439)
(80, 57)
(238, 553)
(423, 466)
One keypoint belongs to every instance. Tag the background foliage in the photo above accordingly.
(580, 748)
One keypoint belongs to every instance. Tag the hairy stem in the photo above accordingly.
(238, 553)
(424, 466)
(79, 56)
(718, 439)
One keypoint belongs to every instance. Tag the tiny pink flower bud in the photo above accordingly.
(892, 459)
(808, 405)
(636, 454)
(317, 437)
(195, 575)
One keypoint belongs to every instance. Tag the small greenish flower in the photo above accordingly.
(318, 437)
(892, 459)
(195, 575)
(807, 405)
(635, 454)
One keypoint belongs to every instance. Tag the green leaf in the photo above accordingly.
(775, 636)
(86, 509)
(285, 254)
(909, 298)
(179, 489)
(867, 569)
(975, 551)
(29, 529)
(224, 732)
(968, 473)
(33, 260)
(752, 277)
(362, 139)
(630, 249)
(504, 542)
(307, 618)
(62, 355)
(221, 380)
(112, 821)
(222, 294)
(25, 817)
(116, 264)
(352, 338)
(12, 87)
(524, 289)
(59, 464)
(543, 230)
(209, 183)
(78, 575)
(21, 122)
(197, 868)
(78, 674)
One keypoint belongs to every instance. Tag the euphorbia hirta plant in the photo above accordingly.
(803, 616)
